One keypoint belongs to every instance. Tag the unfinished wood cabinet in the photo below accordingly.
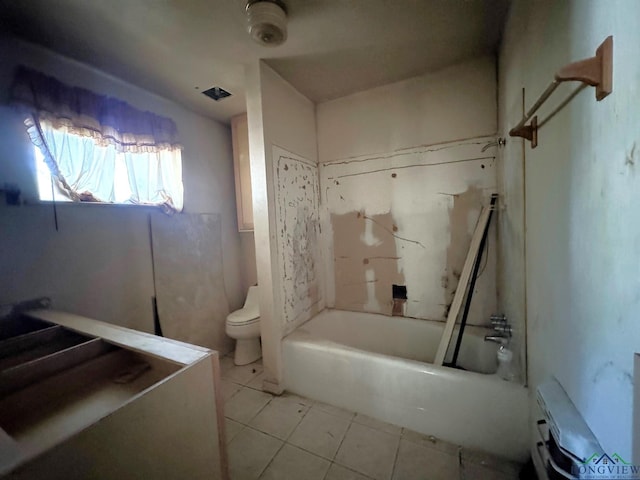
(242, 169)
(85, 399)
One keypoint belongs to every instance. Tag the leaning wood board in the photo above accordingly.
(462, 286)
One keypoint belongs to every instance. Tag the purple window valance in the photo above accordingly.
(81, 112)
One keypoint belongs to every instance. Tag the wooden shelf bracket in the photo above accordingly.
(596, 71)
(528, 132)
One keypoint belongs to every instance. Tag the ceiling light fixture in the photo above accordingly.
(267, 22)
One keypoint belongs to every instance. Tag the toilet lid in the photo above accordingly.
(244, 315)
(250, 312)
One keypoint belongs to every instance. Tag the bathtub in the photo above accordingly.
(378, 366)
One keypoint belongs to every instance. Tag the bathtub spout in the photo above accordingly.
(497, 338)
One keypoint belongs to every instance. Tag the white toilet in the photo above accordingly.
(244, 326)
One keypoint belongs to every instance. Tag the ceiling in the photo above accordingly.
(177, 48)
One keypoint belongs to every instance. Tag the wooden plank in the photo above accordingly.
(28, 340)
(14, 326)
(16, 355)
(46, 413)
(462, 286)
(147, 343)
(25, 374)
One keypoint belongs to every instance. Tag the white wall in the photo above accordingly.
(248, 260)
(99, 263)
(455, 103)
(279, 117)
(582, 196)
(403, 179)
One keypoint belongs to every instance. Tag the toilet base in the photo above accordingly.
(247, 351)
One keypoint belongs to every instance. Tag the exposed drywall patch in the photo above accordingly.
(462, 218)
(411, 198)
(365, 262)
(298, 229)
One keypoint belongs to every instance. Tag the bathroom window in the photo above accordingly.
(100, 173)
(96, 148)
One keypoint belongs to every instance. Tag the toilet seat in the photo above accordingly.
(249, 313)
(243, 317)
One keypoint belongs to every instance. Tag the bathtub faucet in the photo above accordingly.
(500, 338)
(502, 329)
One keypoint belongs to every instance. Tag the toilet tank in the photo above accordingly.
(253, 298)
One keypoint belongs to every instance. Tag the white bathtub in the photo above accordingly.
(376, 365)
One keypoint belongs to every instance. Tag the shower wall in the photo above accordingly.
(403, 178)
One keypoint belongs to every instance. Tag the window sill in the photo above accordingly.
(62, 204)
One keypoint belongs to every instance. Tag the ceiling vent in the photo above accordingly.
(267, 22)
(216, 93)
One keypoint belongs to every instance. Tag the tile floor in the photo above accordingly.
(292, 438)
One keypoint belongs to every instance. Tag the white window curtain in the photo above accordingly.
(100, 149)
(100, 173)
(155, 177)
